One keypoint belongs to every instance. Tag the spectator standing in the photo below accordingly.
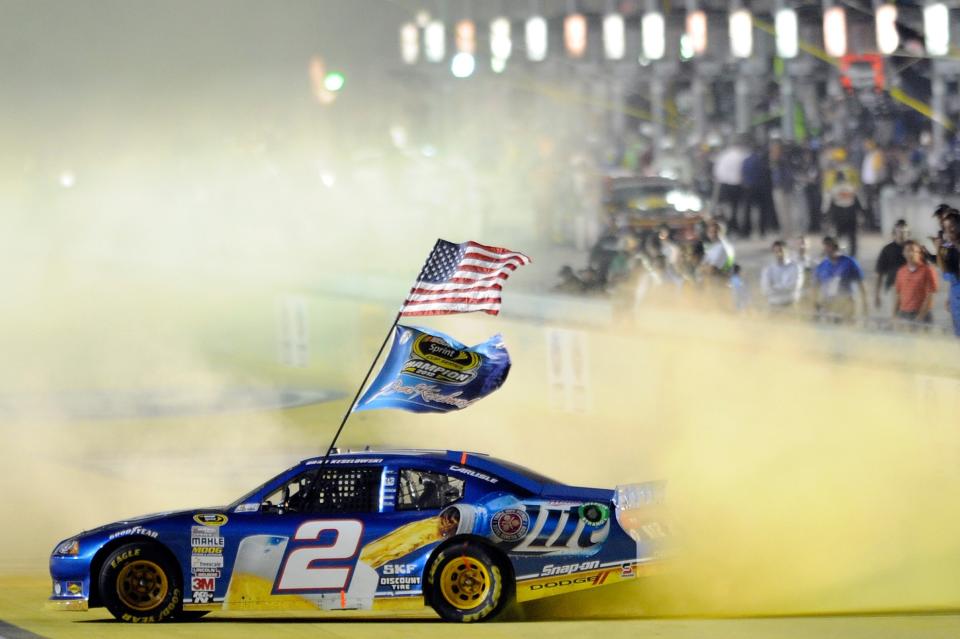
(758, 193)
(811, 178)
(728, 180)
(837, 275)
(872, 174)
(948, 259)
(916, 283)
(891, 258)
(782, 172)
(844, 211)
(782, 280)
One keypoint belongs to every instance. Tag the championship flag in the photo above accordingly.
(429, 372)
(460, 278)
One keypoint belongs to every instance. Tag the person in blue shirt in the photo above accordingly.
(836, 277)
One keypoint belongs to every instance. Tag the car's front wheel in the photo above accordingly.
(466, 583)
(138, 583)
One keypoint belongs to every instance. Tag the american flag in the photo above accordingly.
(460, 278)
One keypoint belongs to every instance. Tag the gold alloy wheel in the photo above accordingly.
(142, 585)
(464, 583)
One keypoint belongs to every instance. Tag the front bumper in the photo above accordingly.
(72, 605)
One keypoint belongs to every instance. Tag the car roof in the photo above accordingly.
(514, 473)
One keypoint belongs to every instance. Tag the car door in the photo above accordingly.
(306, 554)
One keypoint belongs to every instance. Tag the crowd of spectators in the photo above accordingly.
(792, 284)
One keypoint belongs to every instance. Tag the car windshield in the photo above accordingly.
(249, 495)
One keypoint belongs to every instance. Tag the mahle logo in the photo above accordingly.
(436, 360)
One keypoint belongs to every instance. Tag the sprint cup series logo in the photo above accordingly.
(510, 524)
(436, 360)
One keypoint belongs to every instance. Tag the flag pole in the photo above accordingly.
(376, 358)
(383, 345)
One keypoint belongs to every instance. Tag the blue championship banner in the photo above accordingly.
(429, 372)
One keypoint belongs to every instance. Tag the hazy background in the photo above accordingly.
(187, 237)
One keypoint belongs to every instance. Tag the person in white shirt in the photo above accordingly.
(873, 172)
(718, 253)
(782, 280)
(728, 180)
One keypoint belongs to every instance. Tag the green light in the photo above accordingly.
(334, 81)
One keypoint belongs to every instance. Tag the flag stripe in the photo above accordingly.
(497, 251)
(459, 287)
(414, 301)
(476, 255)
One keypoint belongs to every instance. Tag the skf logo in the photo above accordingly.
(210, 519)
(399, 569)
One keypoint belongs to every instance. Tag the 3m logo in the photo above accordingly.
(321, 567)
(202, 583)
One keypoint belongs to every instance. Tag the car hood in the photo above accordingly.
(146, 519)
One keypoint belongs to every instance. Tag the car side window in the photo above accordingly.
(327, 490)
(425, 490)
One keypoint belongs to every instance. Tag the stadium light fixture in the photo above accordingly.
(614, 36)
(501, 45)
(535, 37)
(462, 65)
(409, 43)
(653, 33)
(697, 31)
(575, 34)
(888, 40)
(434, 41)
(465, 36)
(835, 32)
(936, 28)
(785, 25)
(741, 33)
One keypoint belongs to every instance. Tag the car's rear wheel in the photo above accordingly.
(466, 583)
(138, 583)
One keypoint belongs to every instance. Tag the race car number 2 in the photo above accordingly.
(315, 567)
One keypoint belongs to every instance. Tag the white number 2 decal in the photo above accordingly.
(300, 573)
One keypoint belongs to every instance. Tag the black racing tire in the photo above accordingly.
(140, 584)
(467, 584)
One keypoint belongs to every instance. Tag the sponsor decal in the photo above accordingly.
(210, 519)
(202, 596)
(205, 585)
(594, 514)
(473, 473)
(207, 550)
(435, 360)
(399, 569)
(205, 540)
(366, 460)
(627, 571)
(400, 583)
(75, 588)
(136, 530)
(510, 524)
(56, 588)
(592, 580)
(206, 562)
(565, 569)
(247, 508)
(206, 572)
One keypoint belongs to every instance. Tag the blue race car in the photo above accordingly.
(462, 533)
